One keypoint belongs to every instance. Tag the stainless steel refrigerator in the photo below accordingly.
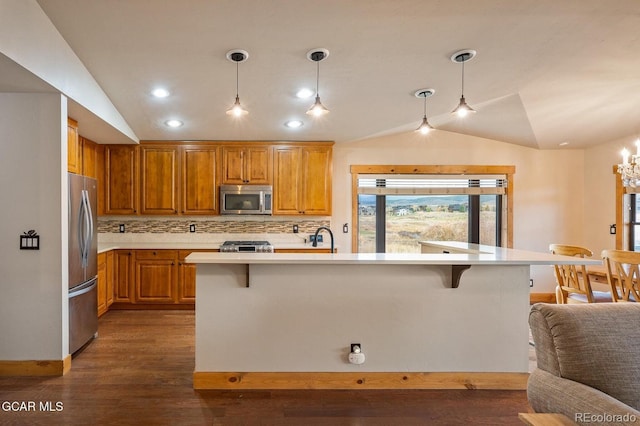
(83, 262)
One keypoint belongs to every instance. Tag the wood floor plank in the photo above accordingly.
(139, 371)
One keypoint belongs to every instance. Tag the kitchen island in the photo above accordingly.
(267, 321)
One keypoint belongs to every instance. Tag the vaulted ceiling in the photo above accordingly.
(546, 71)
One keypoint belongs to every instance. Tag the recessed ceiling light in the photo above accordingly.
(565, 143)
(294, 124)
(160, 92)
(304, 93)
(173, 123)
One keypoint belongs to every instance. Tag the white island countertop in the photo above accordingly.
(487, 256)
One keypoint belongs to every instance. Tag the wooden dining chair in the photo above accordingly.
(623, 274)
(573, 285)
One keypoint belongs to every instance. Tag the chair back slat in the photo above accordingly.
(571, 279)
(623, 274)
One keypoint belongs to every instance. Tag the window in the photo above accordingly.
(394, 211)
(634, 222)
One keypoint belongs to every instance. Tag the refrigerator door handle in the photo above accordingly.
(89, 213)
(81, 239)
(85, 231)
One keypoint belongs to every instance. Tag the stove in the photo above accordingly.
(246, 246)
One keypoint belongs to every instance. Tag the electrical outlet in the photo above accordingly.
(295, 229)
(121, 227)
(192, 227)
(356, 356)
(312, 238)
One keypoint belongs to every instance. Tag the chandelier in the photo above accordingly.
(629, 170)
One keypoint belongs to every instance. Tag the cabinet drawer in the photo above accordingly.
(156, 254)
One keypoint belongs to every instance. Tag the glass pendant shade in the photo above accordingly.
(317, 109)
(236, 110)
(424, 127)
(463, 108)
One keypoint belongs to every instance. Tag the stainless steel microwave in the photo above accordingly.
(246, 199)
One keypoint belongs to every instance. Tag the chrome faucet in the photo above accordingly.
(315, 238)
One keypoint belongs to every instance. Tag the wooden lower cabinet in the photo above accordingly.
(102, 283)
(186, 279)
(156, 276)
(105, 282)
(154, 279)
(123, 267)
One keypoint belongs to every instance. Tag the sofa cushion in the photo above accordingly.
(594, 344)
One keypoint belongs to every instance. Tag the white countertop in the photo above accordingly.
(104, 246)
(488, 256)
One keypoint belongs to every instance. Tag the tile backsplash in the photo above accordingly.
(210, 225)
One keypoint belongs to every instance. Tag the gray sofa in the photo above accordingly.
(588, 359)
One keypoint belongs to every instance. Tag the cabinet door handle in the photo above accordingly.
(154, 253)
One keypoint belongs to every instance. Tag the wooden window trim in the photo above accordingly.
(357, 170)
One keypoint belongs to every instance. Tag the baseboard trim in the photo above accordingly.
(375, 380)
(121, 306)
(36, 368)
(542, 298)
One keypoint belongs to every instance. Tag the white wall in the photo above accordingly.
(600, 204)
(548, 184)
(33, 305)
(28, 38)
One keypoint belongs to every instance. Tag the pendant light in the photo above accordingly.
(424, 127)
(317, 55)
(461, 57)
(237, 56)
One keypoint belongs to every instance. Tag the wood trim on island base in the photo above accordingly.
(365, 380)
(542, 298)
(36, 368)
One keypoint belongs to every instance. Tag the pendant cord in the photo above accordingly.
(425, 104)
(463, 78)
(317, 77)
(237, 84)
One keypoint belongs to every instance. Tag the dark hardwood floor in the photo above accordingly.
(139, 371)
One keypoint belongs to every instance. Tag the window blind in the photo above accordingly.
(432, 184)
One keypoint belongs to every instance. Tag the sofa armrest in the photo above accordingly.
(548, 393)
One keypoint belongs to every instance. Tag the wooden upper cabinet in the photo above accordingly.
(247, 165)
(286, 181)
(159, 180)
(199, 180)
(302, 180)
(74, 159)
(89, 158)
(316, 169)
(121, 179)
